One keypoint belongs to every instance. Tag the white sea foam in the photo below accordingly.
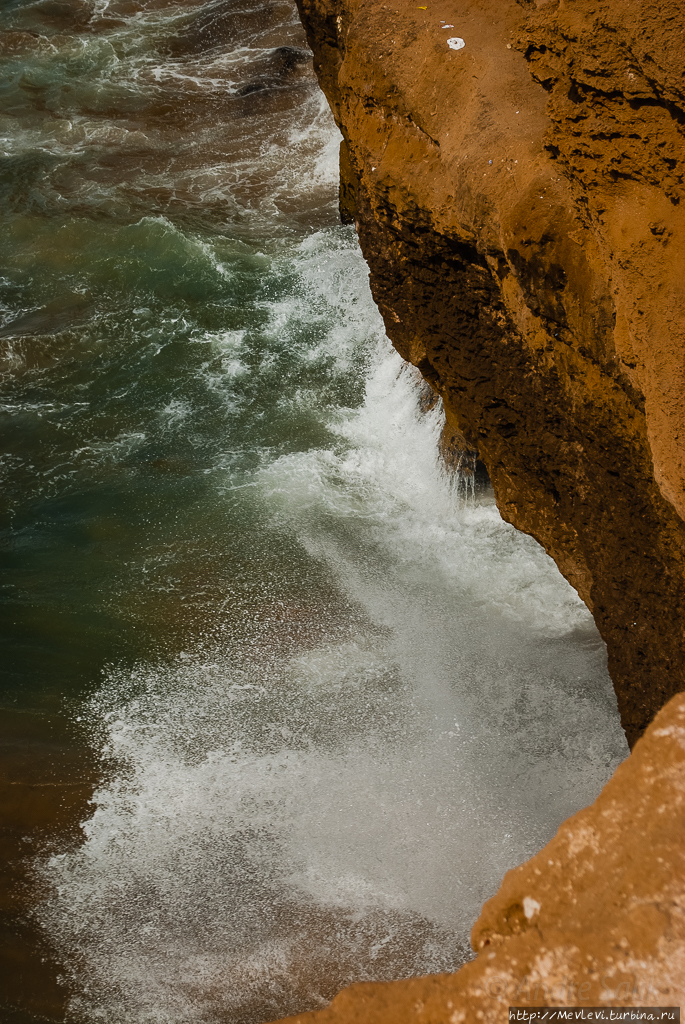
(251, 162)
(281, 815)
(330, 790)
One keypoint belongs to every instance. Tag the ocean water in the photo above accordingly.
(280, 705)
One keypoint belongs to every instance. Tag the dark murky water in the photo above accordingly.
(278, 711)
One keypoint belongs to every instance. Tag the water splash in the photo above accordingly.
(330, 793)
(465, 480)
(367, 696)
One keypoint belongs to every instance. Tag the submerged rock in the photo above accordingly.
(59, 315)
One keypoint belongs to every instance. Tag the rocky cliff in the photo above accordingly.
(515, 170)
(597, 918)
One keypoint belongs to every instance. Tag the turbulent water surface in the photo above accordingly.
(318, 702)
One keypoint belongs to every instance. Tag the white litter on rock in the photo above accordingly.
(455, 43)
(530, 907)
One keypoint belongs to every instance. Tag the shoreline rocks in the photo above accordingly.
(596, 918)
(518, 203)
(518, 199)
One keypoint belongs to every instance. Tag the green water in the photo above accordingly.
(278, 709)
(121, 310)
(147, 373)
(132, 443)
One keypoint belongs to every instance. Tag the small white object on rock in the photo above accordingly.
(456, 43)
(530, 907)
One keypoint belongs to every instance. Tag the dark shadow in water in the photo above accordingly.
(47, 781)
(58, 315)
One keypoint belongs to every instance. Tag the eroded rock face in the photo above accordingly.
(518, 201)
(597, 918)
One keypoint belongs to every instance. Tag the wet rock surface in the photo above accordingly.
(518, 202)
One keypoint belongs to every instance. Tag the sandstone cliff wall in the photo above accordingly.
(518, 200)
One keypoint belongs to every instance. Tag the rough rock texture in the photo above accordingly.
(596, 918)
(519, 204)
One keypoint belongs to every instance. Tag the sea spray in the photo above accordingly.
(330, 702)
(290, 808)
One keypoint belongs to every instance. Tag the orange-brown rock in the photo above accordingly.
(518, 200)
(597, 918)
